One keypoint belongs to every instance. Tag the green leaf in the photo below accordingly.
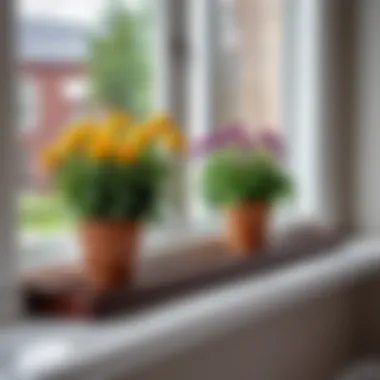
(231, 176)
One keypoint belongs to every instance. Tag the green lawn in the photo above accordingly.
(45, 213)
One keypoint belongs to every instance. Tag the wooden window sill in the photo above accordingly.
(62, 291)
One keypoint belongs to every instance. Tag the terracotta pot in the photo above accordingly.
(246, 227)
(109, 250)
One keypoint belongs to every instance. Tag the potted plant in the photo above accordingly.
(110, 171)
(242, 175)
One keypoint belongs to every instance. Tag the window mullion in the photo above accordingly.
(171, 85)
(204, 97)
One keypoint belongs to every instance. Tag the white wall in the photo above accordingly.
(367, 131)
(311, 341)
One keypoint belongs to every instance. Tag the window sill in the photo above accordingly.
(188, 264)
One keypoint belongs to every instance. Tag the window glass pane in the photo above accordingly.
(246, 76)
(257, 43)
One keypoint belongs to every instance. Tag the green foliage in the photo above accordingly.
(43, 213)
(231, 176)
(118, 61)
(109, 190)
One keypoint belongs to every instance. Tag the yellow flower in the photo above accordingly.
(118, 121)
(174, 141)
(140, 137)
(152, 128)
(162, 124)
(50, 158)
(86, 129)
(147, 135)
(126, 153)
(77, 136)
(102, 146)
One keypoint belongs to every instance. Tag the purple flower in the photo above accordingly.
(272, 141)
(239, 136)
(231, 135)
(236, 135)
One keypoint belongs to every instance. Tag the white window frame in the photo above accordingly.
(9, 292)
(304, 75)
(203, 101)
(75, 88)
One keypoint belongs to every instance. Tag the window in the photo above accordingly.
(75, 89)
(207, 62)
(236, 74)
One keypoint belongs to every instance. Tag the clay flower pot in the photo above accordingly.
(109, 250)
(246, 227)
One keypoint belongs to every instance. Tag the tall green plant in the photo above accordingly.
(118, 60)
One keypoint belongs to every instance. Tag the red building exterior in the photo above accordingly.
(51, 69)
(54, 111)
